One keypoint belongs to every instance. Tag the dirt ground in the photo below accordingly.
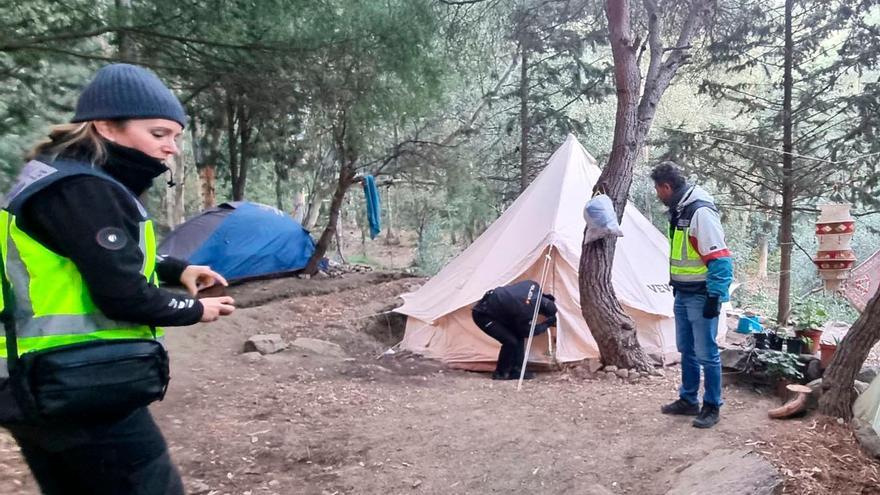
(300, 423)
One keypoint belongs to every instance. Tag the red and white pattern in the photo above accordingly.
(864, 282)
(835, 228)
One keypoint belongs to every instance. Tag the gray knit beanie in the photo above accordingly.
(123, 91)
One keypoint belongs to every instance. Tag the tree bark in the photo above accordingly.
(613, 330)
(208, 180)
(837, 384)
(390, 235)
(525, 172)
(232, 139)
(206, 152)
(347, 157)
(314, 209)
(346, 179)
(174, 197)
(763, 255)
(299, 207)
(244, 132)
(338, 236)
(124, 45)
(786, 237)
(279, 190)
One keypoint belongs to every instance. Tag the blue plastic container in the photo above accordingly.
(749, 324)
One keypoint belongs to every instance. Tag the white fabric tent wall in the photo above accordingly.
(547, 217)
(867, 406)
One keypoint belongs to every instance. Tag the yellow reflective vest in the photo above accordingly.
(51, 303)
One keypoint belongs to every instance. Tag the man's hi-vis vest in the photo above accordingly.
(51, 303)
(686, 267)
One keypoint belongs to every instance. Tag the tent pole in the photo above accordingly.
(522, 371)
(549, 334)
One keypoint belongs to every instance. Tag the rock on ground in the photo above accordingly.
(731, 472)
(320, 347)
(265, 344)
(867, 437)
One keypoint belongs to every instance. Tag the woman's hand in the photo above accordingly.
(215, 307)
(198, 277)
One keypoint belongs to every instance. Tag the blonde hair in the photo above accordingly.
(78, 136)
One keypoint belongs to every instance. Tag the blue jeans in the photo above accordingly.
(695, 337)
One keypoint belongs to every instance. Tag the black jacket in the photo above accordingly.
(514, 305)
(69, 217)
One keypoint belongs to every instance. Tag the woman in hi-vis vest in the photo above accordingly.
(82, 353)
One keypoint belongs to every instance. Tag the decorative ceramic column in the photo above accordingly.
(835, 258)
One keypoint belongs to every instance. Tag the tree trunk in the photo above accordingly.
(232, 140)
(613, 329)
(837, 384)
(338, 236)
(174, 197)
(785, 224)
(299, 207)
(124, 45)
(279, 192)
(208, 180)
(346, 176)
(314, 209)
(525, 172)
(244, 131)
(763, 255)
(390, 236)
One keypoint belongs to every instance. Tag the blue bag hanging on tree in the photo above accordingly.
(601, 219)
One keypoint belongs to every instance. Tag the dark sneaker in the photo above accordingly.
(708, 417)
(681, 407)
(498, 375)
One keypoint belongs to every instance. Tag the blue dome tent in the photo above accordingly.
(242, 240)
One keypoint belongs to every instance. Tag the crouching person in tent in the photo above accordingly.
(82, 353)
(505, 314)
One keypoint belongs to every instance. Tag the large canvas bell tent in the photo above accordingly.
(544, 228)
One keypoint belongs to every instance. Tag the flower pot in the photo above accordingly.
(774, 342)
(793, 346)
(760, 340)
(826, 352)
(815, 335)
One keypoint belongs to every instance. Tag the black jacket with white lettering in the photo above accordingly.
(514, 306)
(68, 217)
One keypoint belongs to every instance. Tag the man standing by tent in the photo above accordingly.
(700, 272)
(505, 314)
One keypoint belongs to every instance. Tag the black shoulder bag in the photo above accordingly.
(87, 381)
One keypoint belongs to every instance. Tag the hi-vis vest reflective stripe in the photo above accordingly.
(53, 306)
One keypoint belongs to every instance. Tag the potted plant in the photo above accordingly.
(809, 316)
(827, 350)
(760, 340)
(775, 338)
(782, 367)
(794, 345)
